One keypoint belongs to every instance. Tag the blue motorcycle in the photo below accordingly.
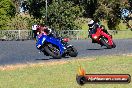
(56, 47)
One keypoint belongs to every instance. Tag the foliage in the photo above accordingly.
(110, 11)
(104, 9)
(7, 11)
(17, 5)
(61, 14)
(20, 22)
(35, 7)
(88, 5)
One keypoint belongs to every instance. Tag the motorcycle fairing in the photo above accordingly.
(108, 37)
(101, 33)
(51, 40)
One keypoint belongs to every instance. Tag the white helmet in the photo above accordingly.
(91, 23)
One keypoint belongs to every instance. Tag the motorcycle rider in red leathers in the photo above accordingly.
(42, 30)
(93, 28)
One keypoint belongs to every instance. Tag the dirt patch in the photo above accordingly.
(129, 55)
(50, 63)
(19, 66)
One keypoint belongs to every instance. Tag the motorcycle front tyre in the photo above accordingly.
(58, 56)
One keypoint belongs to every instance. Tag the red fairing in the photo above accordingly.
(99, 33)
(108, 37)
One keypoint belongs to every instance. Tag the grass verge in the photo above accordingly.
(62, 74)
(123, 35)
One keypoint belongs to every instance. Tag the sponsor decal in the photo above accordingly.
(83, 78)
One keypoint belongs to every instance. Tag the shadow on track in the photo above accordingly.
(96, 49)
(53, 58)
(42, 59)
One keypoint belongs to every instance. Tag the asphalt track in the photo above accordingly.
(16, 52)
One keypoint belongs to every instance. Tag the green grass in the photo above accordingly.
(123, 34)
(122, 26)
(83, 22)
(63, 75)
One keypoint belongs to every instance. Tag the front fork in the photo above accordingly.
(108, 37)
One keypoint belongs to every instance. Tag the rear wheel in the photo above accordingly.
(52, 51)
(104, 41)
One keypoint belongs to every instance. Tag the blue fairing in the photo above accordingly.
(51, 40)
(40, 40)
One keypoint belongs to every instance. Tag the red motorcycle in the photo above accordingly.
(103, 38)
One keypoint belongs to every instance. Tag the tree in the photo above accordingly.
(35, 7)
(61, 13)
(104, 9)
(110, 10)
(7, 11)
(17, 4)
(88, 5)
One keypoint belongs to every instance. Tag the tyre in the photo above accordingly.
(73, 52)
(104, 41)
(63, 55)
(114, 45)
(52, 51)
(45, 53)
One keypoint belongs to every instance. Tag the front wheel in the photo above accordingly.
(52, 51)
(73, 52)
(105, 42)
